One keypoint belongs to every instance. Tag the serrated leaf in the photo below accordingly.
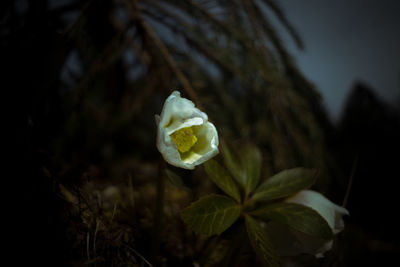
(252, 161)
(284, 184)
(244, 165)
(211, 214)
(298, 217)
(261, 243)
(233, 163)
(222, 179)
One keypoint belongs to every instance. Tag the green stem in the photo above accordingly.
(248, 205)
(158, 214)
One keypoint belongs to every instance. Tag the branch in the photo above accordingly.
(134, 9)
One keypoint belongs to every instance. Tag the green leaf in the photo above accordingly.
(252, 161)
(261, 243)
(284, 184)
(211, 214)
(222, 179)
(174, 179)
(299, 217)
(233, 163)
(245, 166)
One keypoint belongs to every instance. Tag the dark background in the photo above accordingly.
(348, 41)
(82, 105)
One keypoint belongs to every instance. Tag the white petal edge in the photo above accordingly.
(331, 212)
(179, 113)
(176, 110)
(169, 150)
(210, 149)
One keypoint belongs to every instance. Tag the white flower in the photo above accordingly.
(331, 212)
(185, 137)
(291, 242)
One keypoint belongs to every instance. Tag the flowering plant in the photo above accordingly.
(281, 216)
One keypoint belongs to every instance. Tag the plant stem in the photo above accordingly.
(158, 214)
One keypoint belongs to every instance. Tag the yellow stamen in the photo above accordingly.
(184, 139)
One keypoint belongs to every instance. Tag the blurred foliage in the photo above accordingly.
(89, 76)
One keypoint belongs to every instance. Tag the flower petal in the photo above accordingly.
(177, 125)
(178, 109)
(179, 113)
(331, 212)
(207, 145)
(300, 242)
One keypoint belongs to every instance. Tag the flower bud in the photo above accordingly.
(185, 137)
